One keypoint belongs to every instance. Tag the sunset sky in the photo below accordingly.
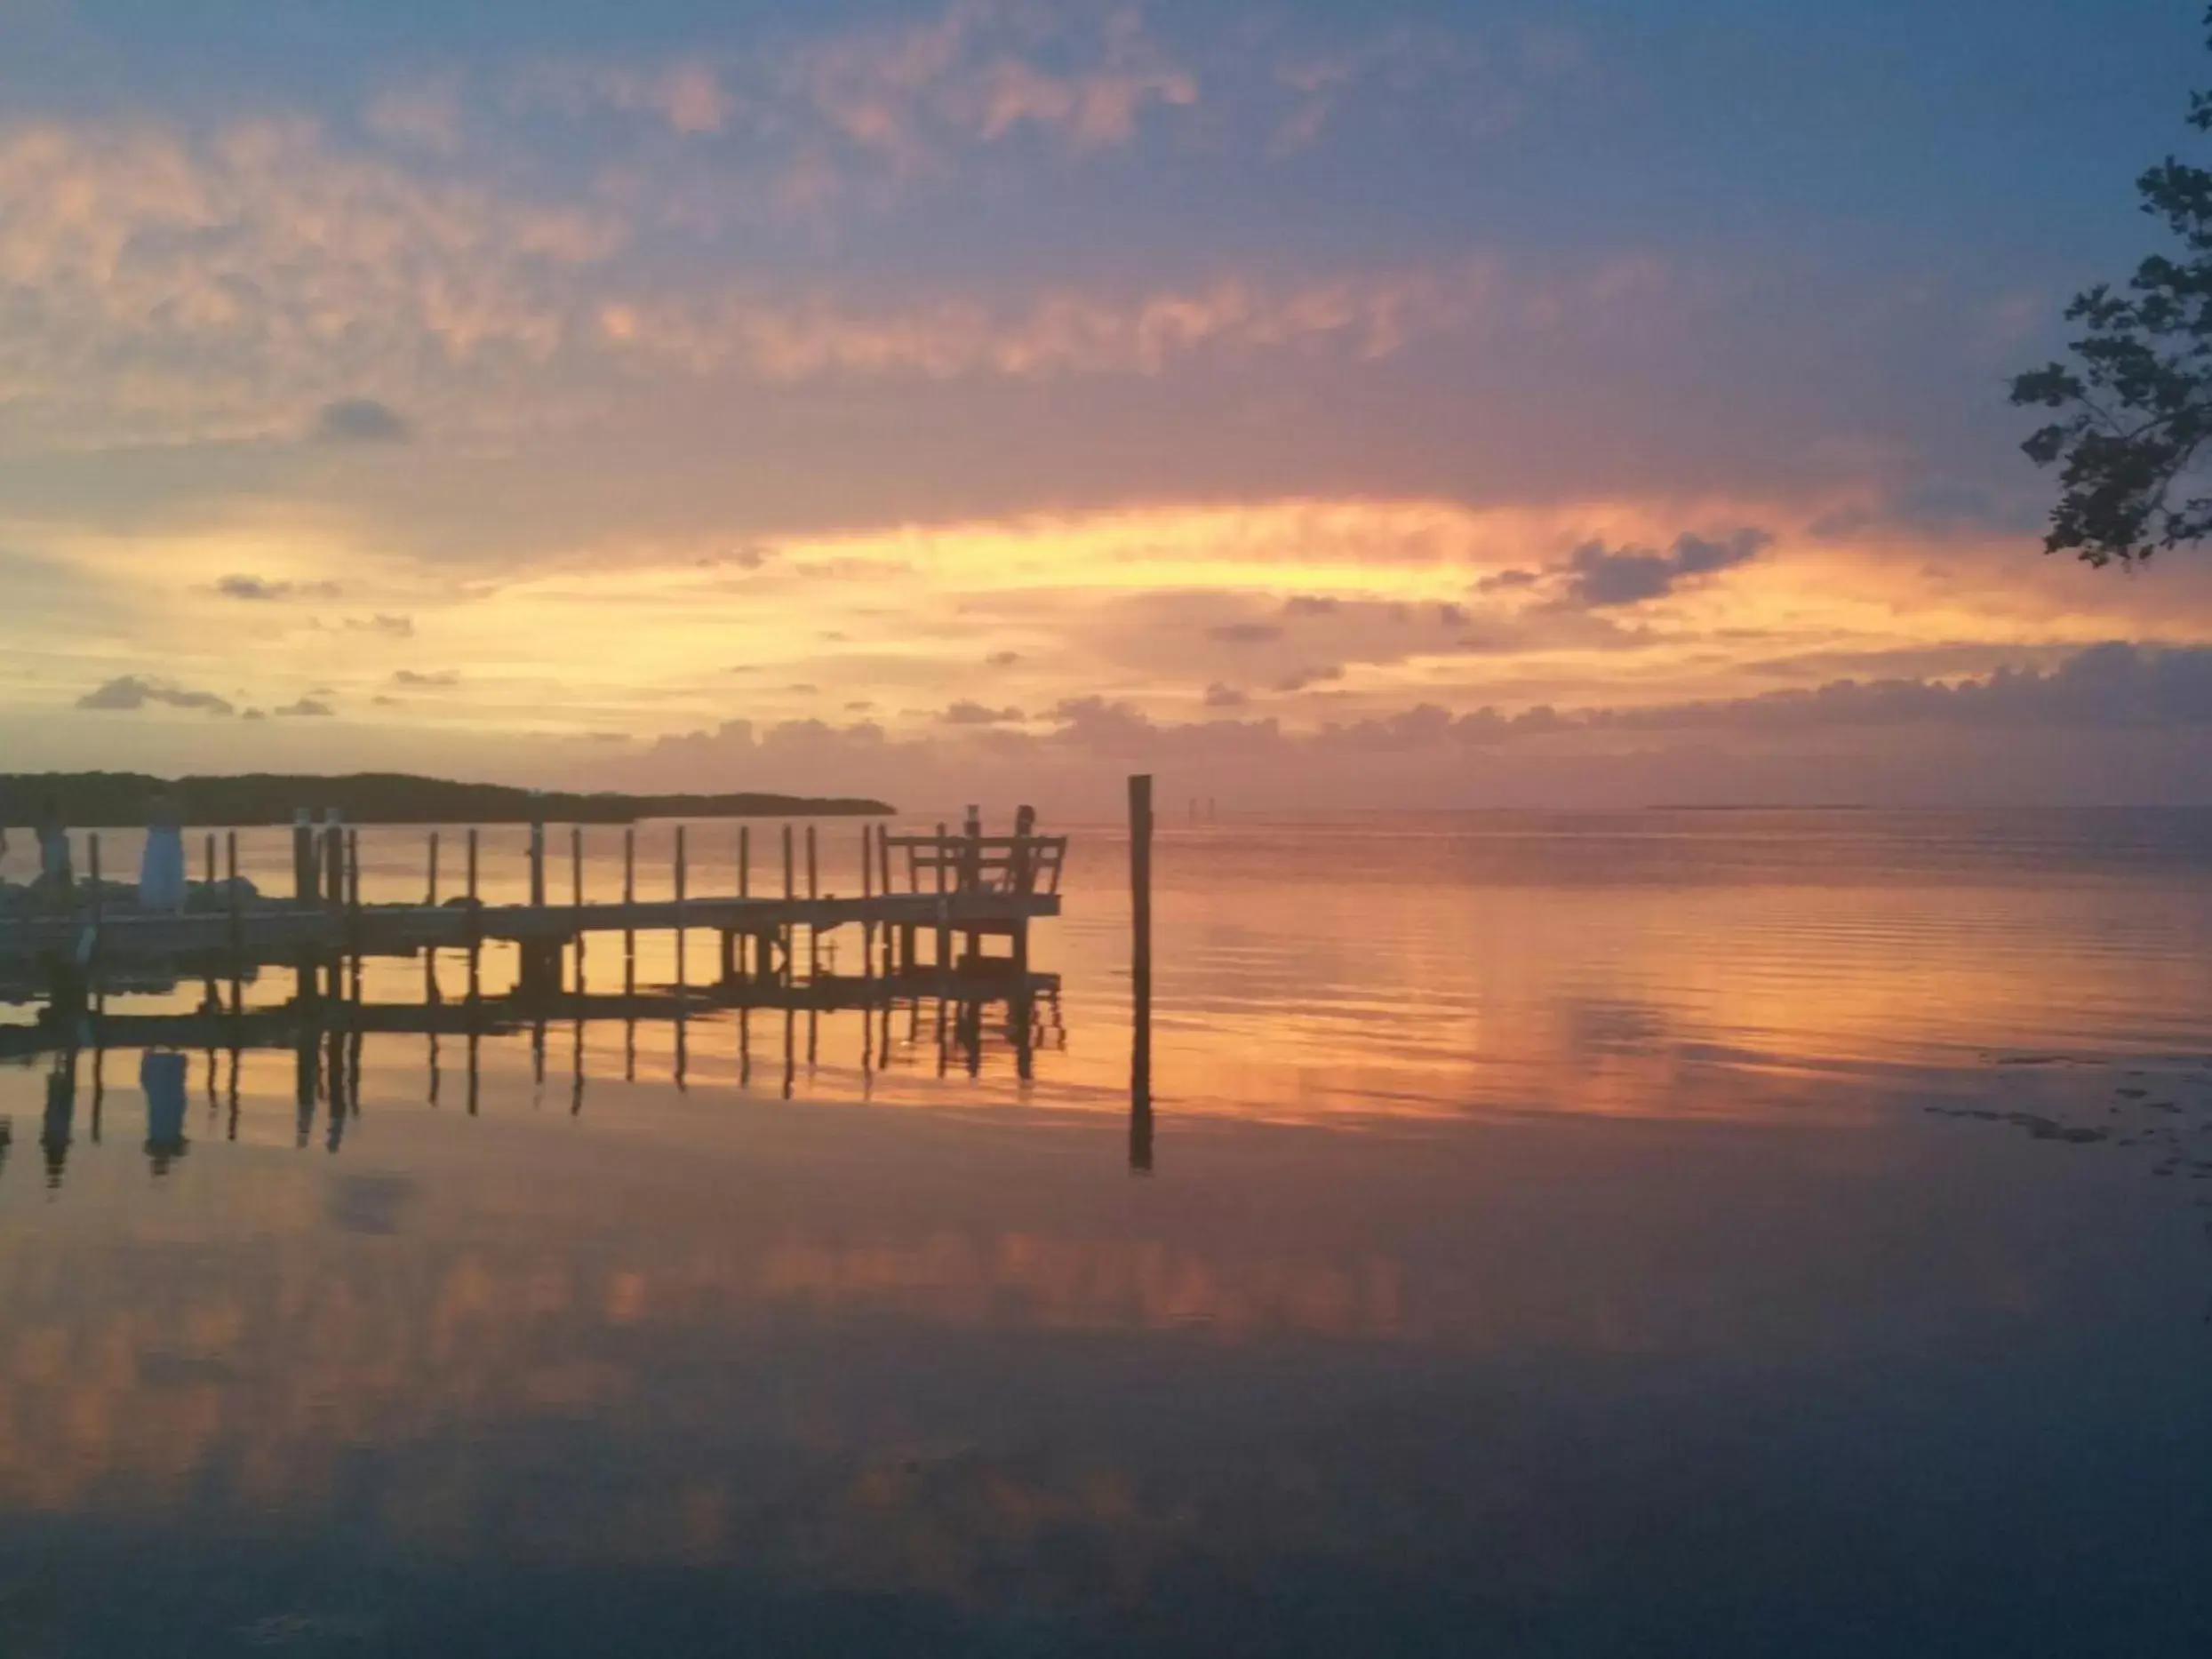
(1418, 402)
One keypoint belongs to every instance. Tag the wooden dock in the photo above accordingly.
(927, 902)
(927, 905)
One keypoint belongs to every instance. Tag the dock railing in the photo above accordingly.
(978, 863)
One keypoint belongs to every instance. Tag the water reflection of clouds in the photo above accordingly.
(504, 1278)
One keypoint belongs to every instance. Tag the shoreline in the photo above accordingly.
(251, 800)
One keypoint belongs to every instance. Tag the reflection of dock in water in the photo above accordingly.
(959, 1016)
(282, 1026)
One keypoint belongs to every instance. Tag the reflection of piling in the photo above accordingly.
(1140, 972)
(305, 1058)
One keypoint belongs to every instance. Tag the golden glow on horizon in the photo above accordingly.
(894, 626)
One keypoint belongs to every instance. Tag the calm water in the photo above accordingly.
(1698, 1234)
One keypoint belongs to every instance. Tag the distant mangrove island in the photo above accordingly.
(118, 800)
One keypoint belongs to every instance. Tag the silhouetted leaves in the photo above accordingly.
(2134, 408)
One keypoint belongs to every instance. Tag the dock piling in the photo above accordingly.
(91, 949)
(1140, 973)
(303, 877)
(745, 890)
(237, 920)
(868, 891)
(333, 859)
(475, 926)
(576, 896)
(943, 923)
(972, 872)
(680, 886)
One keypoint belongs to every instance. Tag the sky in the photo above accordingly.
(1414, 403)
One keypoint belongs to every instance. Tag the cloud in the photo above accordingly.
(208, 282)
(688, 95)
(1999, 735)
(1304, 678)
(970, 714)
(1483, 84)
(1597, 577)
(2115, 685)
(1930, 508)
(439, 680)
(260, 589)
(1245, 633)
(1002, 659)
(1220, 696)
(1063, 332)
(305, 708)
(359, 420)
(131, 692)
(907, 93)
(425, 116)
(396, 627)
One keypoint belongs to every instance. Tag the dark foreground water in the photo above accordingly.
(1699, 1235)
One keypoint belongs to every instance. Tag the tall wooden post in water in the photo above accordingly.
(1140, 973)
(629, 898)
(971, 871)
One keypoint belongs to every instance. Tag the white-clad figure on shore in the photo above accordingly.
(161, 871)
